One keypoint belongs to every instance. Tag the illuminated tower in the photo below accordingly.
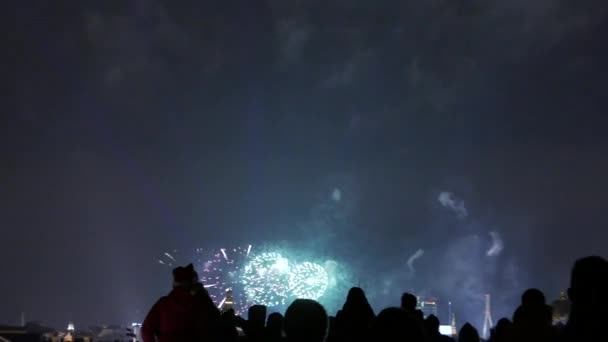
(487, 319)
(228, 302)
(449, 310)
(454, 330)
(69, 337)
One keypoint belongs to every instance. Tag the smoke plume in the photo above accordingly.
(497, 245)
(410, 261)
(449, 201)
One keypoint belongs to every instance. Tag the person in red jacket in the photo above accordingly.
(186, 314)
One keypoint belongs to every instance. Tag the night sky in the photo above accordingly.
(132, 127)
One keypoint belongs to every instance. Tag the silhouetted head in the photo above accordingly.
(533, 297)
(256, 317)
(468, 334)
(408, 302)
(431, 324)
(395, 324)
(502, 327)
(184, 276)
(305, 320)
(589, 280)
(589, 297)
(533, 310)
(356, 295)
(275, 322)
(356, 309)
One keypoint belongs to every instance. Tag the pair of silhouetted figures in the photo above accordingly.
(188, 314)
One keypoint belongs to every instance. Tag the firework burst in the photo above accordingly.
(308, 280)
(169, 258)
(222, 273)
(266, 279)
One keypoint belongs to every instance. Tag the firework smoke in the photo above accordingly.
(497, 245)
(336, 195)
(410, 261)
(448, 200)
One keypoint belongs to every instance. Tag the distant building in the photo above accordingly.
(15, 333)
(136, 327)
(31, 331)
(37, 327)
(113, 333)
(427, 305)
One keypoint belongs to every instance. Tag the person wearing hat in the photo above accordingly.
(186, 314)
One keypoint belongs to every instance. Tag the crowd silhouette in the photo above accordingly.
(188, 314)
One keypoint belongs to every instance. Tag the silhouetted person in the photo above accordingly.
(305, 321)
(356, 316)
(431, 324)
(408, 302)
(394, 324)
(468, 334)
(332, 331)
(274, 327)
(533, 297)
(534, 307)
(227, 331)
(186, 314)
(256, 320)
(588, 293)
(502, 331)
(241, 323)
(532, 321)
(337, 329)
(419, 315)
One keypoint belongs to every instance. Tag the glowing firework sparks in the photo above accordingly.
(168, 259)
(308, 280)
(222, 273)
(269, 278)
(170, 256)
(266, 279)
